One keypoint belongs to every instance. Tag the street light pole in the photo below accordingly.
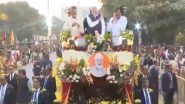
(49, 25)
(138, 28)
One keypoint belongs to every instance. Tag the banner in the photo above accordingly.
(12, 38)
(3, 40)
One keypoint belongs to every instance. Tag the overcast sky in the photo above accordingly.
(55, 5)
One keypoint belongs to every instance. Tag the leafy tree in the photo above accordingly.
(23, 19)
(57, 25)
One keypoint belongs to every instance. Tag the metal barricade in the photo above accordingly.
(181, 90)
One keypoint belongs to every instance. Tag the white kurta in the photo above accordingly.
(74, 30)
(94, 23)
(116, 28)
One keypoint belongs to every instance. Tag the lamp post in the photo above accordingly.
(49, 24)
(138, 28)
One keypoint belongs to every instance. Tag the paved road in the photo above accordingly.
(29, 67)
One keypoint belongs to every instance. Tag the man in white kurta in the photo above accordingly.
(73, 24)
(116, 26)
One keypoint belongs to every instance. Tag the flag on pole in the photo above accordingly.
(3, 40)
(12, 38)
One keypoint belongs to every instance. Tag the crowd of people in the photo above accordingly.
(160, 66)
(17, 88)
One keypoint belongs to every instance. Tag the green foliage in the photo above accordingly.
(108, 37)
(180, 39)
(57, 25)
(82, 63)
(128, 35)
(23, 19)
(64, 36)
(89, 38)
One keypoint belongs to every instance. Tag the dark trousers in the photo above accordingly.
(156, 95)
(168, 97)
(50, 101)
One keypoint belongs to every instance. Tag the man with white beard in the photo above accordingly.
(98, 70)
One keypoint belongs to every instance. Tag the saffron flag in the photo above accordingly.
(12, 38)
(3, 38)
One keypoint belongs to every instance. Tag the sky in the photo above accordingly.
(56, 5)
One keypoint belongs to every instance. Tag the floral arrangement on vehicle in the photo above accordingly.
(89, 38)
(73, 70)
(128, 35)
(64, 36)
(108, 37)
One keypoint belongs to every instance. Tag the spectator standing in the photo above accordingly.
(49, 83)
(23, 88)
(169, 84)
(39, 95)
(7, 91)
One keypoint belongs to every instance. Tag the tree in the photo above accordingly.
(57, 25)
(23, 19)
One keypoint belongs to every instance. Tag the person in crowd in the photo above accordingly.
(144, 74)
(24, 87)
(146, 95)
(153, 79)
(117, 25)
(59, 51)
(49, 83)
(74, 25)
(148, 61)
(46, 62)
(169, 84)
(94, 23)
(12, 77)
(7, 91)
(37, 67)
(39, 95)
(166, 53)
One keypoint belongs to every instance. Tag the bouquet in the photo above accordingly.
(73, 70)
(114, 76)
(108, 37)
(128, 35)
(89, 38)
(64, 36)
(69, 72)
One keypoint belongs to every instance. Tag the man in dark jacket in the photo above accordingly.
(39, 95)
(146, 94)
(169, 84)
(37, 67)
(7, 91)
(153, 78)
(12, 77)
(23, 88)
(49, 83)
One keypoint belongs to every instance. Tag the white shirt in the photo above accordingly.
(11, 75)
(98, 72)
(116, 28)
(148, 95)
(94, 23)
(2, 93)
(74, 30)
(37, 95)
